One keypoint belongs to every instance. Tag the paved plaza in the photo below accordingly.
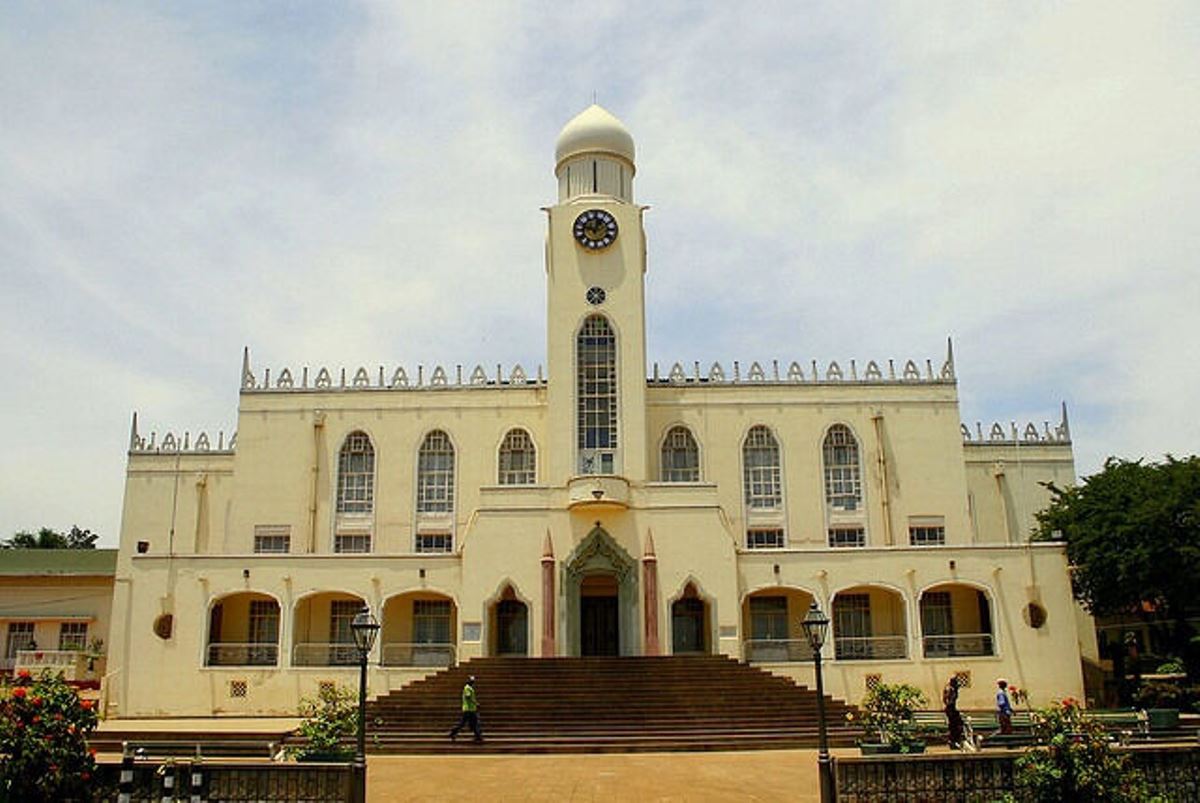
(766, 775)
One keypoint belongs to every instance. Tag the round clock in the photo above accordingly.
(595, 229)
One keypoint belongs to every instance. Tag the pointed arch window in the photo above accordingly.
(435, 474)
(356, 474)
(680, 456)
(843, 475)
(596, 395)
(518, 459)
(760, 467)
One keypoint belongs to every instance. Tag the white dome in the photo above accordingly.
(594, 130)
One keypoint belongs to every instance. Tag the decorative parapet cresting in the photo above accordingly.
(1014, 435)
(174, 443)
(399, 379)
(890, 372)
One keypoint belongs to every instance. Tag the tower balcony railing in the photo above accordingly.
(242, 654)
(418, 654)
(778, 650)
(325, 653)
(959, 645)
(870, 648)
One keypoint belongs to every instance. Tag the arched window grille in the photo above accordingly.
(760, 466)
(518, 459)
(596, 394)
(356, 474)
(435, 474)
(843, 477)
(680, 456)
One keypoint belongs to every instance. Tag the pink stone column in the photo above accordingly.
(650, 581)
(548, 647)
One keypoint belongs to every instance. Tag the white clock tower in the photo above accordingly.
(596, 329)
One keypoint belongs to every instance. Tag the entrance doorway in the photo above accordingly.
(512, 628)
(689, 623)
(599, 628)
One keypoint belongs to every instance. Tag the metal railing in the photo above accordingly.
(68, 663)
(870, 648)
(333, 653)
(958, 645)
(777, 650)
(253, 654)
(402, 654)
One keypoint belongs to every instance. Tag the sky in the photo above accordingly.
(359, 184)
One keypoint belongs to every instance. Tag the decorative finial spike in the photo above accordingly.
(1066, 425)
(133, 433)
(650, 553)
(950, 351)
(548, 546)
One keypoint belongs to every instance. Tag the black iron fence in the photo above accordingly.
(230, 782)
(1172, 772)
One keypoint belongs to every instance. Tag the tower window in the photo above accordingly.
(596, 395)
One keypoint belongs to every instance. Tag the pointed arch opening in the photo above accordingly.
(508, 619)
(596, 396)
(517, 464)
(691, 622)
(600, 584)
(355, 504)
(680, 460)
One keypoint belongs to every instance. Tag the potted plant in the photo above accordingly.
(1162, 701)
(887, 713)
(330, 719)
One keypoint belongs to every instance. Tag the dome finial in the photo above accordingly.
(594, 130)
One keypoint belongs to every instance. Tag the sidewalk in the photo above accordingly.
(756, 775)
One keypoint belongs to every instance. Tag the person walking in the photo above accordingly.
(470, 712)
(953, 718)
(1004, 707)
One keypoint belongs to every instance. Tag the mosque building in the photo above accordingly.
(596, 506)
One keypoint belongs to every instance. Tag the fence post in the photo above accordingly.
(167, 771)
(196, 775)
(125, 782)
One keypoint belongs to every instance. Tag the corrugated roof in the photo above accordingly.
(35, 562)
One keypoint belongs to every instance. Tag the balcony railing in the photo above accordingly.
(337, 653)
(870, 648)
(778, 650)
(254, 654)
(958, 645)
(71, 664)
(399, 654)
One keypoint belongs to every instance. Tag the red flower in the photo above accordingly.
(18, 691)
(92, 752)
(35, 701)
(36, 719)
(24, 673)
(37, 656)
(85, 776)
(87, 705)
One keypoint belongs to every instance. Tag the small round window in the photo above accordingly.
(596, 296)
(1035, 615)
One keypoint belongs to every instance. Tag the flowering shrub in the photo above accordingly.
(329, 719)
(1074, 761)
(888, 710)
(1017, 695)
(43, 735)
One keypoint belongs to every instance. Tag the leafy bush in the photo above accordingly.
(1171, 666)
(1161, 695)
(888, 711)
(329, 719)
(43, 735)
(1074, 761)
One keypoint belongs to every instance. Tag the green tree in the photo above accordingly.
(1133, 535)
(43, 736)
(47, 538)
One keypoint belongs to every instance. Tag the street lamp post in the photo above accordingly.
(365, 628)
(816, 624)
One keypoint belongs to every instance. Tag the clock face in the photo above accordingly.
(595, 229)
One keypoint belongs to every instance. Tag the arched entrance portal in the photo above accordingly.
(600, 587)
(689, 623)
(510, 624)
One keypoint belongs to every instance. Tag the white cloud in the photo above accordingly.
(361, 187)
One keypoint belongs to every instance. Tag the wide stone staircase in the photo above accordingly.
(628, 704)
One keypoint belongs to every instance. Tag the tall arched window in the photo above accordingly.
(843, 477)
(596, 394)
(760, 467)
(518, 459)
(356, 474)
(680, 456)
(435, 474)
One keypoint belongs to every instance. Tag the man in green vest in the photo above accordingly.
(470, 712)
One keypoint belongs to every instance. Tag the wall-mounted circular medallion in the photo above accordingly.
(595, 229)
(596, 295)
